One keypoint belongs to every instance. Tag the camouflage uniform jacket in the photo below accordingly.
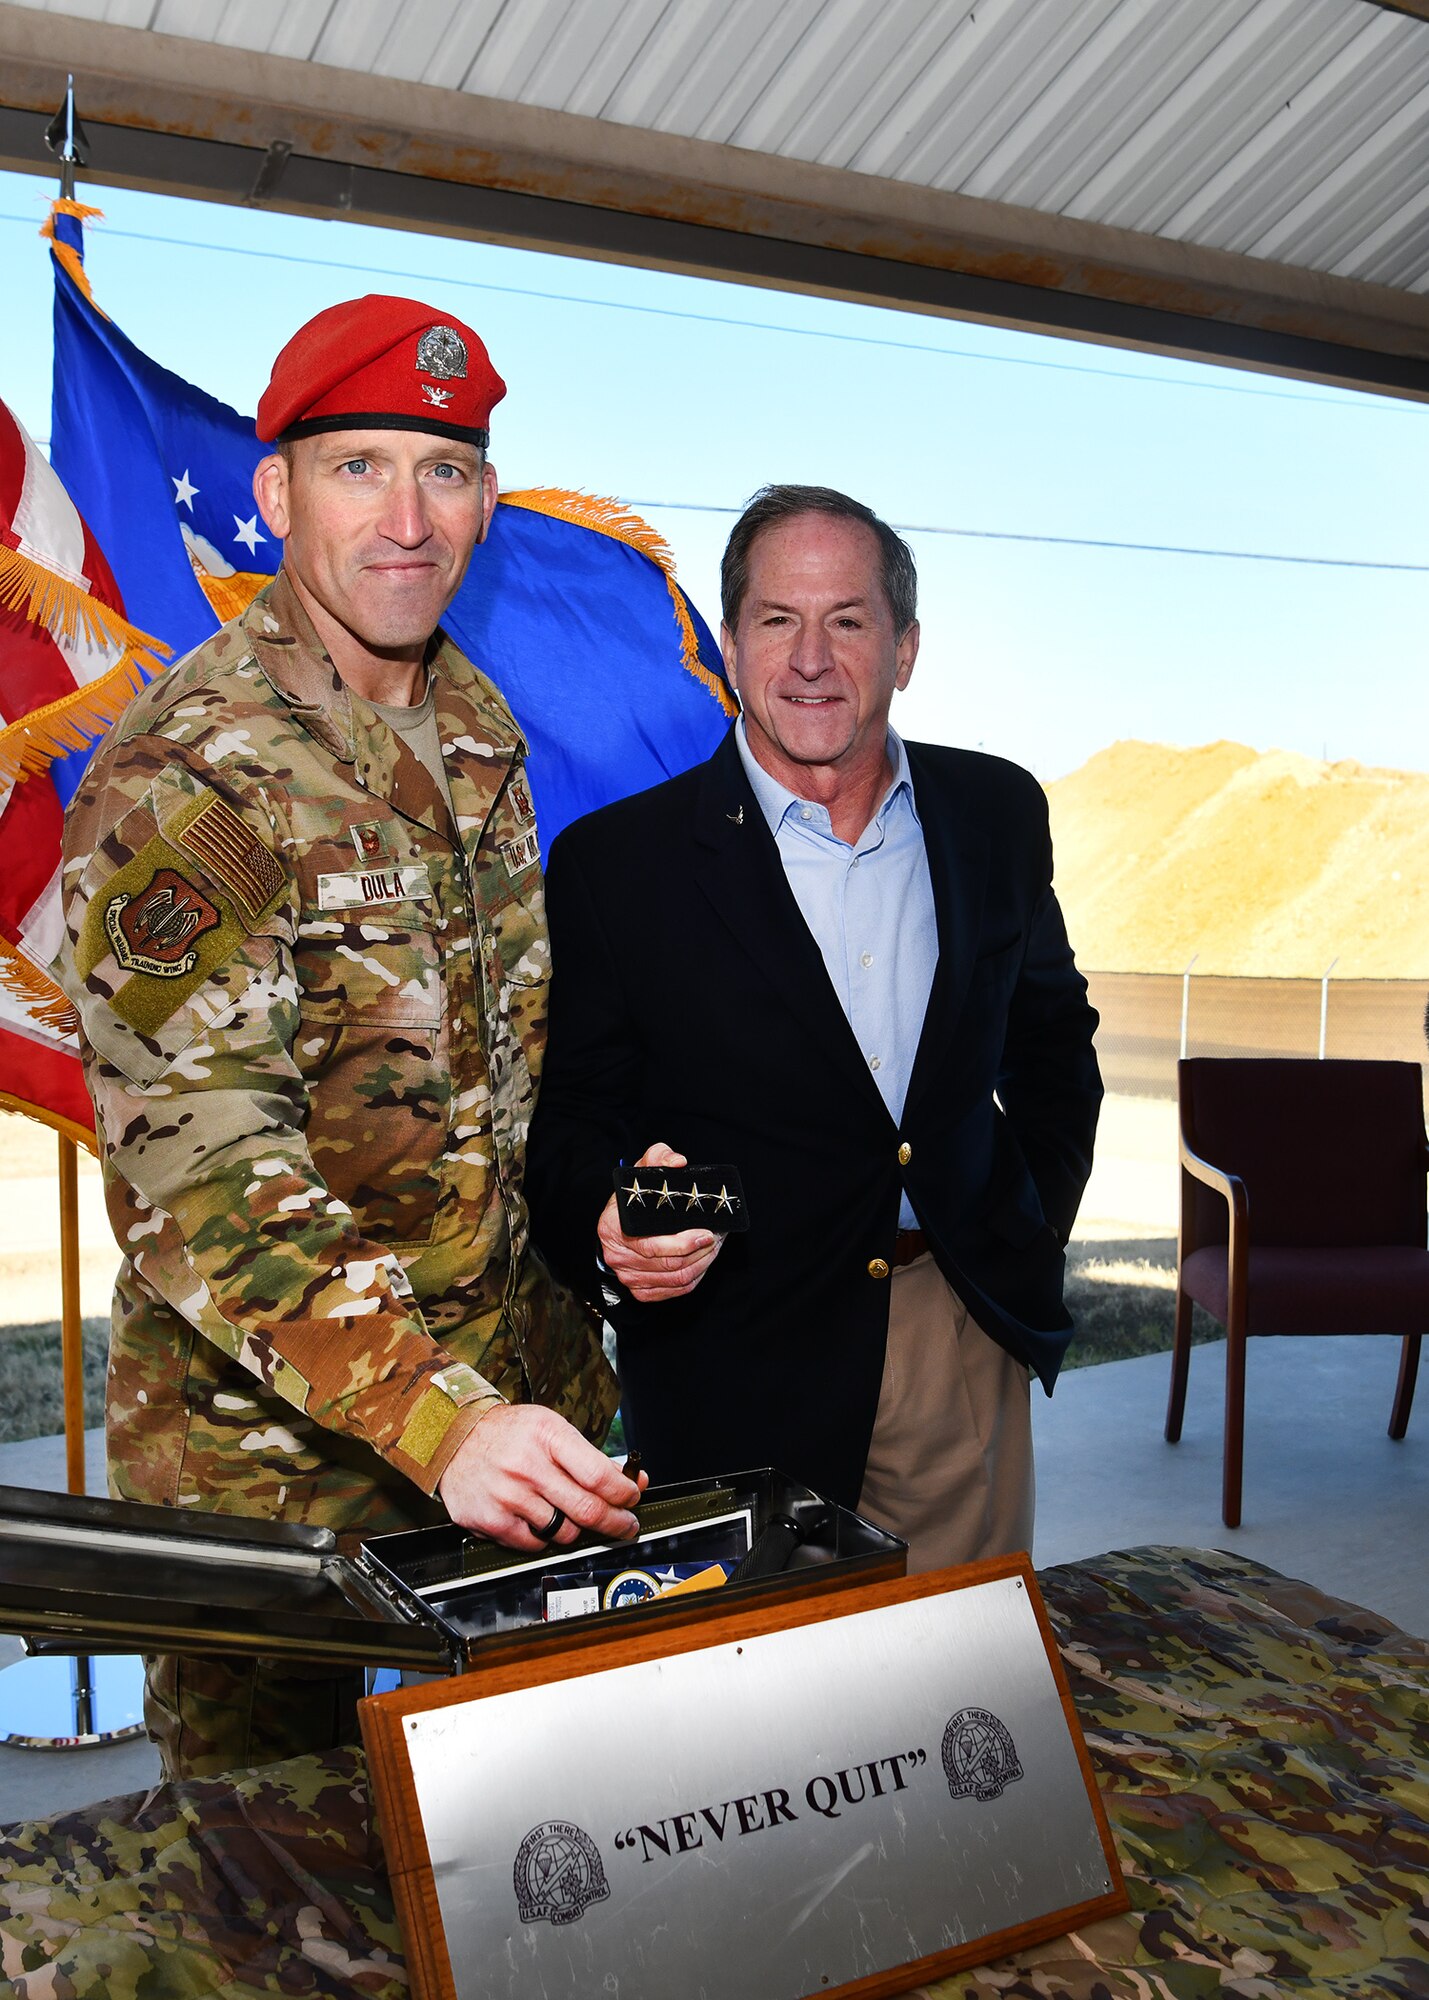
(312, 1017)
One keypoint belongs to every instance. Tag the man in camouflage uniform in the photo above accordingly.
(307, 945)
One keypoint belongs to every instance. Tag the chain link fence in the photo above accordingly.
(1149, 1019)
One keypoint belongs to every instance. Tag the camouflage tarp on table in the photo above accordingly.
(1263, 1751)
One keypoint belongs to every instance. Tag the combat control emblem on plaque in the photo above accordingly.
(979, 1756)
(558, 1874)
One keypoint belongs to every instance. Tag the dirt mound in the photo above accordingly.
(1266, 864)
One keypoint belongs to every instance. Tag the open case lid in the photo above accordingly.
(85, 1575)
(112, 1575)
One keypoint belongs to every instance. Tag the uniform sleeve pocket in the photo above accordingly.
(146, 1038)
(161, 947)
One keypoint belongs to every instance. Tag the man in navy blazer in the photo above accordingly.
(835, 961)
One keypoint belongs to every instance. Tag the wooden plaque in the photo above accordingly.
(853, 1793)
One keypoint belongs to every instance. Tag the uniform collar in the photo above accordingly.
(480, 738)
(299, 668)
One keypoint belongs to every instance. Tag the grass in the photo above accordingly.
(1122, 1297)
(31, 1389)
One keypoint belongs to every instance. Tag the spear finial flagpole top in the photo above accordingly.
(68, 140)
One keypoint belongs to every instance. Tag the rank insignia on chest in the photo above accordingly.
(370, 839)
(523, 852)
(359, 891)
(156, 930)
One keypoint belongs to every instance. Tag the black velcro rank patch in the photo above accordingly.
(661, 1201)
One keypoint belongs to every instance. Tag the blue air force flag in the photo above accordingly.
(570, 605)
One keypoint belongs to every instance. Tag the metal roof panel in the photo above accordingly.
(1294, 130)
(1218, 114)
(575, 77)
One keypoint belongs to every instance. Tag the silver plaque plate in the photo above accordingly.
(762, 1820)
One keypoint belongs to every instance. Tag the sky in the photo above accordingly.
(683, 395)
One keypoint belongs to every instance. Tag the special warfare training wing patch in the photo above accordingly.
(156, 930)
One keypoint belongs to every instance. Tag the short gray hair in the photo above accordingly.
(772, 504)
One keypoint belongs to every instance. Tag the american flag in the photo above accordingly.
(69, 660)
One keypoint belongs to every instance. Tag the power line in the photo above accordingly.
(750, 325)
(1062, 541)
(1086, 542)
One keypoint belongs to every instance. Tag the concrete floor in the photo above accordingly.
(1328, 1497)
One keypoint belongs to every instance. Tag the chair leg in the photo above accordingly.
(1180, 1366)
(1404, 1392)
(1235, 1417)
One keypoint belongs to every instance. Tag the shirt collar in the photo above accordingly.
(776, 801)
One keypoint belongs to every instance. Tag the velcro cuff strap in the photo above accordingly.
(437, 1408)
(460, 1382)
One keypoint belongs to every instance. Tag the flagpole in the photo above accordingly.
(71, 1325)
(65, 138)
(82, 1670)
(67, 156)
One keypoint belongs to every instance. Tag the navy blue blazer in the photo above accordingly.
(690, 1004)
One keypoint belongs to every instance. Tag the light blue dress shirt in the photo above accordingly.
(870, 909)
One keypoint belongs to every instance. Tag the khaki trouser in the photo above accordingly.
(950, 1465)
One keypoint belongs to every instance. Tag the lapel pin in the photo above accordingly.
(736, 818)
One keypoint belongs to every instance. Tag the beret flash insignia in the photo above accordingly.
(441, 351)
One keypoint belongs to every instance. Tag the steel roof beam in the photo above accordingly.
(186, 117)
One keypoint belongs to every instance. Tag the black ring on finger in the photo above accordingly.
(552, 1528)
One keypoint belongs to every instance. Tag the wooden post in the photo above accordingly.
(71, 1327)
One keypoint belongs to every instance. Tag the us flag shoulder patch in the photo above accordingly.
(218, 838)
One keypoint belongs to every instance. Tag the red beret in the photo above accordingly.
(381, 364)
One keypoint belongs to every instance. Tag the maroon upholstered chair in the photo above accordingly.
(1302, 1211)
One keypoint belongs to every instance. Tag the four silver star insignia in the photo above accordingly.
(695, 1196)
